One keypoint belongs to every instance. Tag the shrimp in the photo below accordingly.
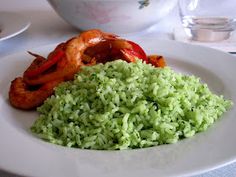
(107, 51)
(116, 49)
(72, 60)
(20, 95)
(88, 48)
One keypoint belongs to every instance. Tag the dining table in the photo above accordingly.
(47, 27)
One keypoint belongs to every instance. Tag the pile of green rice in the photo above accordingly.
(121, 105)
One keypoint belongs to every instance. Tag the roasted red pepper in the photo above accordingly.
(137, 51)
(45, 64)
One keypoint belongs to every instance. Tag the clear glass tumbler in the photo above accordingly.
(208, 20)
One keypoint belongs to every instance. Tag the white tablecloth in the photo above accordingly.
(48, 28)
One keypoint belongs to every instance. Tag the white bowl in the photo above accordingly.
(117, 16)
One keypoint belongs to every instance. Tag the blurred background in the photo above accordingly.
(48, 28)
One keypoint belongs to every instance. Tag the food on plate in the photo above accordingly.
(120, 105)
(98, 91)
(88, 48)
(22, 97)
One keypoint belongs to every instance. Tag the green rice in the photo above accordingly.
(120, 105)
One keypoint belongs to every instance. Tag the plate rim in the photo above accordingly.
(21, 27)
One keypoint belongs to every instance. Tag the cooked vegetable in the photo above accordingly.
(45, 64)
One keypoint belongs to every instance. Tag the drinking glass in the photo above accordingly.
(208, 20)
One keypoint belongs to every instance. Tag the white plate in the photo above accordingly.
(12, 24)
(22, 153)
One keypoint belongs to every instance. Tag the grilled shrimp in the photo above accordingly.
(72, 59)
(88, 48)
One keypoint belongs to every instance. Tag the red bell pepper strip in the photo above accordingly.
(45, 65)
(138, 51)
(129, 55)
